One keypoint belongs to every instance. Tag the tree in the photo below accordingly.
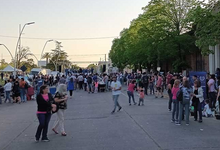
(47, 56)
(90, 66)
(3, 64)
(206, 20)
(57, 57)
(22, 54)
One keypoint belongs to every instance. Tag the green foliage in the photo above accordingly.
(166, 32)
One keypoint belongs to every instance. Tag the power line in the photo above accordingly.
(63, 39)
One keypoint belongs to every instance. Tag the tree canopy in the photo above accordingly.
(166, 32)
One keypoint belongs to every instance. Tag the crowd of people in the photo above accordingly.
(185, 97)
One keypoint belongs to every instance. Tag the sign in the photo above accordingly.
(23, 68)
(201, 77)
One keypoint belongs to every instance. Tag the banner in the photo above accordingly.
(201, 76)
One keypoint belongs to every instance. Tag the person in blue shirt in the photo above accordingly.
(70, 87)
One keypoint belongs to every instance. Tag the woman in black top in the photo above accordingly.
(45, 105)
(16, 92)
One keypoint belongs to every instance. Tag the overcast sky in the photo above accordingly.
(63, 19)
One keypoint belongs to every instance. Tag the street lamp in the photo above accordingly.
(44, 48)
(32, 55)
(19, 38)
(7, 50)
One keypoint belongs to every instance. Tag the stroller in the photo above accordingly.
(217, 113)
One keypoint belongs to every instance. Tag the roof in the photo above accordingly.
(9, 68)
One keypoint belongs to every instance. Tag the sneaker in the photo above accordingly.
(119, 109)
(178, 124)
(138, 104)
(155, 96)
(172, 121)
(200, 121)
(129, 104)
(37, 140)
(161, 97)
(45, 140)
(187, 124)
(112, 112)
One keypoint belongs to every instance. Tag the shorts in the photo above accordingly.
(159, 89)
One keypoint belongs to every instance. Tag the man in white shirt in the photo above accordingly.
(116, 91)
(8, 88)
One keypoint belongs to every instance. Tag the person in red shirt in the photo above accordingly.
(168, 78)
(130, 92)
(159, 86)
(141, 97)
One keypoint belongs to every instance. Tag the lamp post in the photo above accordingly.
(44, 48)
(32, 55)
(19, 38)
(8, 50)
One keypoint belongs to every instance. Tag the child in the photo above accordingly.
(96, 86)
(207, 111)
(141, 96)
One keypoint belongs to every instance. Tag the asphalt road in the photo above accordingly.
(90, 126)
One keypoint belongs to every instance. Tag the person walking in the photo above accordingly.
(80, 80)
(116, 91)
(44, 107)
(61, 100)
(8, 88)
(175, 113)
(197, 99)
(130, 92)
(70, 87)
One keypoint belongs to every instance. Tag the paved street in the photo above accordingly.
(90, 126)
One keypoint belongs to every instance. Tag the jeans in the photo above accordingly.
(7, 96)
(198, 107)
(44, 120)
(131, 95)
(186, 106)
(0, 99)
(60, 120)
(23, 94)
(71, 92)
(115, 99)
(145, 88)
(151, 88)
(175, 110)
(170, 101)
(212, 96)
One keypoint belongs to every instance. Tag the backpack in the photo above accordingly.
(89, 80)
(179, 95)
(186, 95)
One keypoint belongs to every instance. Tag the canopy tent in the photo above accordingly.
(9, 68)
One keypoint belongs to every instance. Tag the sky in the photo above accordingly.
(66, 19)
